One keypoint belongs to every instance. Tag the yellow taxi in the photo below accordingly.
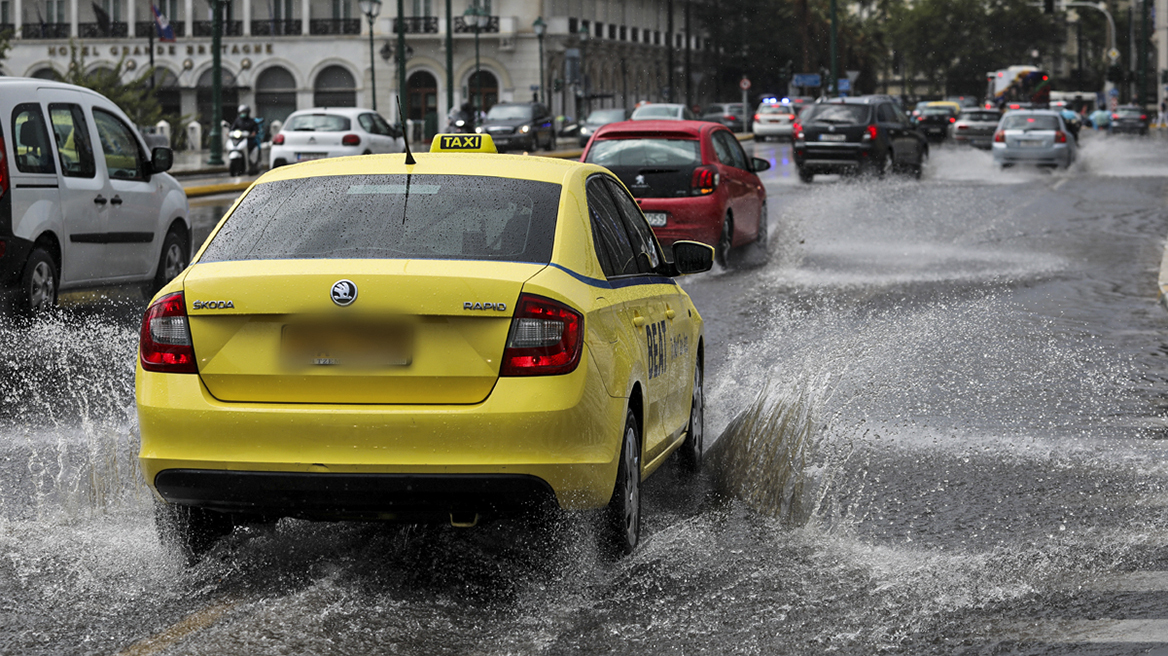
(440, 337)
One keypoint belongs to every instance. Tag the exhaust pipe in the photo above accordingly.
(464, 519)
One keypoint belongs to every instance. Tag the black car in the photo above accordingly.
(600, 117)
(520, 126)
(934, 121)
(1128, 119)
(857, 135)
(728, 114)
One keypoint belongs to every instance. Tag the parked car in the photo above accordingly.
(333, 132)
(1128, 119)
(663, 112)
(773, 120)
(728, 114)
(520, 126)
(83, 202)
(1034, 136)
(691, 178)
(856, 135)
(599, 117)
(975, 127)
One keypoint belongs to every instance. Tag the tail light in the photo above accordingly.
(165, 341)
(756, 117)
(730, 118)
(1143, 117)
(1115, 117)
(952, 120)
(962, 127)
(870, 134)
(1000, 136)
(705, 181)
(350, 140)
(278, 140)
(3, 167)
(546, 338)
(797, 129)
(1060, 136)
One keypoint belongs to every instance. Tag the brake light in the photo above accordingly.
(546, 338)
(278, 140)
(756, 117)
(3, 167)
(870, 133)
(3, 248)
(350, 140)
(1015, 106)
(962, 127)
(165, 340)
(1000, 136)
(728, 117)
(1143, 117)
(705, 181)
(1060, 136)
(1115, 117)
(797, 129)
(952, 120)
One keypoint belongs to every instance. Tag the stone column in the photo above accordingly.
(305, 15)
(73, 18)
(247, 17)
(131, 5)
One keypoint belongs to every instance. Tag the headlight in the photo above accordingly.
(460, 123)
(525, 129)
(585, 131)
(479, 129)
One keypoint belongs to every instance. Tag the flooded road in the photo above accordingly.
(942, 419)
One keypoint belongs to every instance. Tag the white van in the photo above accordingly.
(83, 202)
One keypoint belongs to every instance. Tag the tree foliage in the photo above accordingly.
(134, 97)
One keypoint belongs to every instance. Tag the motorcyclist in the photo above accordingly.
(467, 114)
(244, 121)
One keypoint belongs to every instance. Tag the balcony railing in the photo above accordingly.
(230, 28)
(333, 26)
(45, 31)
(419, 24)
(99, 31)
(4, 27)
(141, 28)
(460, 26)
(277, 27)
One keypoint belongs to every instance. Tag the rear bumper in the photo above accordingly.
(823, 158)
(697, 218)
(564, 431)
(772, 129)
(1059, 155)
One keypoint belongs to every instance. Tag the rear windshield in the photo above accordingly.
(602, 116)
(937, 111)
(653, 111)
(509, 113)
(775, 109)
(645, 152)
(981, 116)
(319, 123)
(832, 113)
(1129, 113)
(392, 216)
(1031, 122)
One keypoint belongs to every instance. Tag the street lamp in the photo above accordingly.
(478, 18)
(583, 34)
(216, 136)
(371, 8)
(540, 29)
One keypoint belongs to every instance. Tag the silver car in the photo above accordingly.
(773, 120)
(1037, 137)
(975, 127)
(663, 112)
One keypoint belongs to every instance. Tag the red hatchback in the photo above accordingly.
(692, 179)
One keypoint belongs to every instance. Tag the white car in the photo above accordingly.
(333, 132)
(83, 202)
(773, 120)
(663, 112)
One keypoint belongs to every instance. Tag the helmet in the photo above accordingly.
(244, 111)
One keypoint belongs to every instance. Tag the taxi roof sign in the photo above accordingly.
(463, 143)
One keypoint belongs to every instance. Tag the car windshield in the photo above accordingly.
(509, 113)
(658, 111)
(735, 109)
(775, 109)
(980, 116)
(833, 113)
(645, 152)
(937, 111)
(1128, 113)
(1029, 122)
(603, 116)
(392, 216)
(318, 123)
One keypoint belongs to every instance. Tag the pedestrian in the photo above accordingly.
(1163, 117)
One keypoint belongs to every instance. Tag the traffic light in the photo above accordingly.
(1048, 6)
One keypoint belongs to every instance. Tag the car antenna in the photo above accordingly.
(410, 161)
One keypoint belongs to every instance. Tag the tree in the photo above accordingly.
(5, 43)
(136, 97)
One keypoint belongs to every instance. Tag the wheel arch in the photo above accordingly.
(51, 243)
(637, 406)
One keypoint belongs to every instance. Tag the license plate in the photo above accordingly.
(833, 137)
(936, 130)
(303, 157)
(1029, 143)
(350, 345)
(655, 219)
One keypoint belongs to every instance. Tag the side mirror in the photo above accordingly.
(692, 257)
(758, 164)
(161, 159)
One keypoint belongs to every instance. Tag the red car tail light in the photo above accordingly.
(165, 341)
(1060, 136)
(962, 127)
(546, 338)
(350, 140)
(1143, 117)
(278, 140)
(1000, 136)
(3, 167)
(870, 133)
(797, 129)
(756, 117)
(1115, 117)
(952, 120)
(705, 181)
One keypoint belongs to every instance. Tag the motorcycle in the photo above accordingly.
(457, 124)
(243, 151)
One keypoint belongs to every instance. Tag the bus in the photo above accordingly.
(1017, 87)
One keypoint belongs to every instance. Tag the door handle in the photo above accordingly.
(670, 313)
(639, 321)
(100, 200)
(116, 200)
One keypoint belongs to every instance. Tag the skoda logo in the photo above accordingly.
(344, 292)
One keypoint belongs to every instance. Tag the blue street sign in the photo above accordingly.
(844, 84)
(805, 79)
(1114, 93)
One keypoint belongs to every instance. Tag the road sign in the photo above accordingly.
(1114, 93)
(744, 83)
(844, 84)
(805, 79)
(1113, 55)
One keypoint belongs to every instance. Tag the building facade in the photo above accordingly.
(282, 55)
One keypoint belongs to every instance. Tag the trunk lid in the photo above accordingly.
(412, 335)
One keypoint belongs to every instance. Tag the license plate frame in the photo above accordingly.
(305, 157)
(833, 138)
(657, 219)
(1030, 143)
(355, 345)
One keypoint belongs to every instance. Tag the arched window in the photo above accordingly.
(335, 87)
(482, 89)
(229, 99)
(275, 96)
(169, 95)
(45, 74)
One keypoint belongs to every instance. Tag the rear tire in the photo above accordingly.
(806, 176)
(190, 531)
(235, 167)
(171, 261)
(622, 518)
(690, 452)
(725, 242)
(551, 143)
(39, 283)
